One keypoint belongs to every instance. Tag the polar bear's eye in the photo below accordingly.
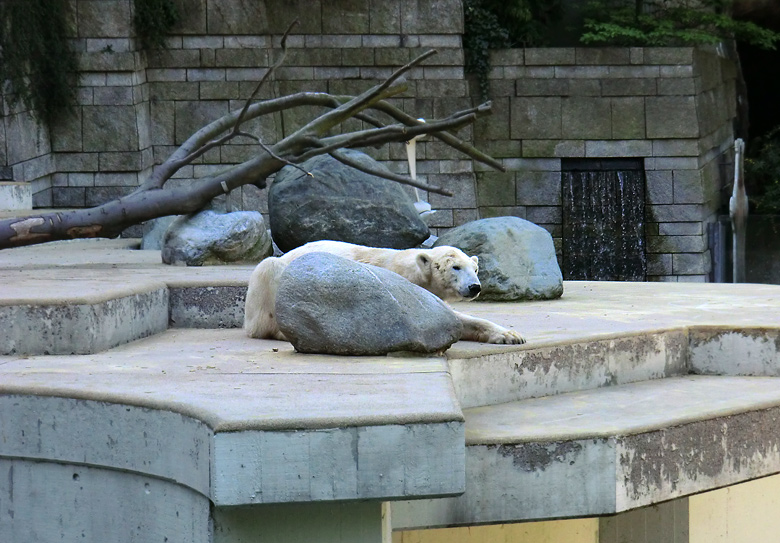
(456, 268)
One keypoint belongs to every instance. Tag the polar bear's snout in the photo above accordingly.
(474, 289)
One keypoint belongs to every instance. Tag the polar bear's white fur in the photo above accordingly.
(447, 272)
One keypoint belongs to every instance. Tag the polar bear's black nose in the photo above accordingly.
(474, 289)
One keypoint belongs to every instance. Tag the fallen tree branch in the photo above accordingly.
(152, 199)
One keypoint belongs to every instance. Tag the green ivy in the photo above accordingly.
(668, 23)
(154, 19)
(762, 169)
(498, 24)
(35, 56)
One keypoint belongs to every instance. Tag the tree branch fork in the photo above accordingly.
(383, 123)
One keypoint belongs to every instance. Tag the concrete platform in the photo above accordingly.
(123, 371)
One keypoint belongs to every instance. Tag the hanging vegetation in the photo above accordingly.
(35, 57)
(153, 20)
(665, 23)
(497, 24)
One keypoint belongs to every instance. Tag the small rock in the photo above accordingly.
(343, 204)
(516, 258)
(328, 304)
(208, 238)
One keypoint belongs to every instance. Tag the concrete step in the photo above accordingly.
(15, 196)
(608, 450)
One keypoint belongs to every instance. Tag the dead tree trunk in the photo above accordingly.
(152, 199)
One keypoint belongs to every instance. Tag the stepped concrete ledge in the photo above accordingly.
(626, 394)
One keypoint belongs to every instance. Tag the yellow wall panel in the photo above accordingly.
(748, 512)
(559, 531)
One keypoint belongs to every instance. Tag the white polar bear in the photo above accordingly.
(445, 271)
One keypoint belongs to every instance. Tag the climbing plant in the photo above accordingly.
(153, 20)
(762, 171)
(669, 22)
(35, 57)
(497, 24)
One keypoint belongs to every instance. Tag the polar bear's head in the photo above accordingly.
(449, 273)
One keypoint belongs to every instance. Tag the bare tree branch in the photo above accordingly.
(153, 200)
(404, 180)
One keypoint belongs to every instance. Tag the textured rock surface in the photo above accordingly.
(516, 258)
(154, 232)
(328, 304)
(343, 204)
(209, 237)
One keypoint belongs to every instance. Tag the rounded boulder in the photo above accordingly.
(516, 258)
(341, 203)
(332, 305)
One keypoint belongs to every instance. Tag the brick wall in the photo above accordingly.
(671, 107)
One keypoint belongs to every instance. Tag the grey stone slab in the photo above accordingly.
(607, 451)
(86, 326)
(628, 118)
(671, 117)
(552, 148)
(385, 16)
(367, 462)
(668, 55)
(660, 186)
(629, 87)
(191, 116)
(496, 188)
(676, 244)
(550, 56)
(621, 148)
(207, 307)
(110, 128)
(352, 17)
(239, 17)
(539, 188)
(104, 19)
(536, 118)
(435, 17)
(75, 502)
(567, 368)
(107, 436)
(586, 117)
(691, 263)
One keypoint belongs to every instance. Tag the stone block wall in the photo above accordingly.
(135, 107)
(671, 107)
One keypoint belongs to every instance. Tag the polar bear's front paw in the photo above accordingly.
(506, 337)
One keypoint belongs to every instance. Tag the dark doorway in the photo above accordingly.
(603, 220)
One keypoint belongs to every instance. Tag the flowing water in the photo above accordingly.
(603, 225)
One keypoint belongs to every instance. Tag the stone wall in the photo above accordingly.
(671, 107)
(134, 108)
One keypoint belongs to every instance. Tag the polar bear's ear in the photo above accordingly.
(475, 259)
(424, 263)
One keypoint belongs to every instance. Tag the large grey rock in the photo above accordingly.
(516, 258)
(208, 237)
(328, 304)
(343, 204)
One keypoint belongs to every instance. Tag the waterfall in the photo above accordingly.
(603, 225)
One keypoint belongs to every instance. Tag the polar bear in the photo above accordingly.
(447, 272)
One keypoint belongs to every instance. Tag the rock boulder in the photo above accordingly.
(209, 237)
(328, 304)
(343, 204)
(516, 258)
